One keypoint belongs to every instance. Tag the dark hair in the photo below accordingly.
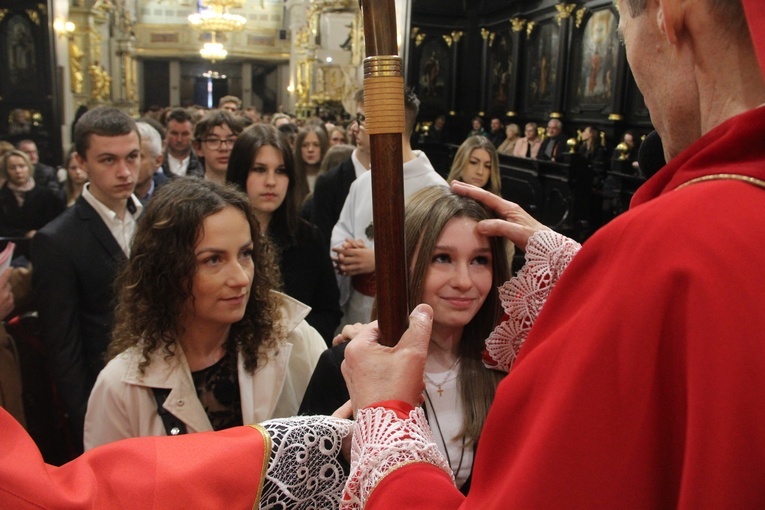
(284, 222)
(152, 294)
(216, 118)
(101, 121)
(179, 115)
(301, 175)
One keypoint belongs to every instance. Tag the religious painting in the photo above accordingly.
(599, 53)
(20, 52)
(501, 70)
(435, 70)
(542, 66)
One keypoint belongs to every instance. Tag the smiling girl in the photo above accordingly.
(456, 271)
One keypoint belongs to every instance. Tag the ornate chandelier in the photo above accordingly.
(215, 18)
(212, 20)
(213, 50)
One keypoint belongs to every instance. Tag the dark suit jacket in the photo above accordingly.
(75, 261)
(329, 195)
(558, 147)
(309, 277)
(41, 205)
(195, 169)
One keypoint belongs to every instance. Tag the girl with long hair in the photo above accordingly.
(261, 164)
(476, 163)
(456, 271)
(200, 342)
(76, 177)
(310, 147)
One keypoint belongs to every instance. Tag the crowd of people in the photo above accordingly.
(623, 373)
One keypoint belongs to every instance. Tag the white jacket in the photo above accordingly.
(122, 402)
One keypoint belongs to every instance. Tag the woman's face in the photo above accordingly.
(531, 132)
(18, 170)
(267, 181)
(459, 276)
(310, 150)
(76, 173)
(336, 138)
(511, 131)
(221, 284)
(477, 171)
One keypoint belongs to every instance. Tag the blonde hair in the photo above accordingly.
(494, 184)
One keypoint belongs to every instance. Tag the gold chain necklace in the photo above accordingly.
(724, 177)
(446, 378)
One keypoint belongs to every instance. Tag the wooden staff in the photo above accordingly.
(385, 123)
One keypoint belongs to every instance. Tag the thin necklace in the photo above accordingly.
(446, 378)
(446, 447)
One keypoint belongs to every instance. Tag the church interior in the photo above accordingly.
(521, 60)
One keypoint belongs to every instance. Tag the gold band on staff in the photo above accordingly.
(384, 95)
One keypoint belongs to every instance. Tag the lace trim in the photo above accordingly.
(304, 471)
(547, 256)
(383, 442)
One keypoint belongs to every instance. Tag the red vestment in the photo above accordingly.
(641, 382)
(208, 470)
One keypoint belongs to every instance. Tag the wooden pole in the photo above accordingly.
(385, 124)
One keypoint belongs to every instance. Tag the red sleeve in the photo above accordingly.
(205, 470)
(419, 485)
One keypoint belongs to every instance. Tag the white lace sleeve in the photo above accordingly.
(304, 470)
(547, 256)
(383, 442)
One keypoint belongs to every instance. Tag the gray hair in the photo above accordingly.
(151, 136)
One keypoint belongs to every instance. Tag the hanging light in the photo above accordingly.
(213, 50)
(216, 18)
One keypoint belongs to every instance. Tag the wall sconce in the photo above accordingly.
(64, 28)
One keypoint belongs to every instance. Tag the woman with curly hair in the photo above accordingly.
(200, 342)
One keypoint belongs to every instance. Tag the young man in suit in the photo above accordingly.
(77, 255)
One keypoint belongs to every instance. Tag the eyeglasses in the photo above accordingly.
(361, 119)
(215, 144)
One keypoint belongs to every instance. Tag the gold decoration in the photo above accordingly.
(518, 24)
(457, 35)
(418, 39)
(491, 38)
(448, 40)
(3, 12)
(564, 11)
(622, 150)
(42, 9)
(510, 114)
(414, 32)
(556, 115)
(615, 116)
(100, 83)
(580, 16)
(529, 28)
(485, 33)
(34, 16)
(76, 77)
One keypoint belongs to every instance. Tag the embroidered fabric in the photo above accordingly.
(304, 470)
(383, 442)
(547, 256)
